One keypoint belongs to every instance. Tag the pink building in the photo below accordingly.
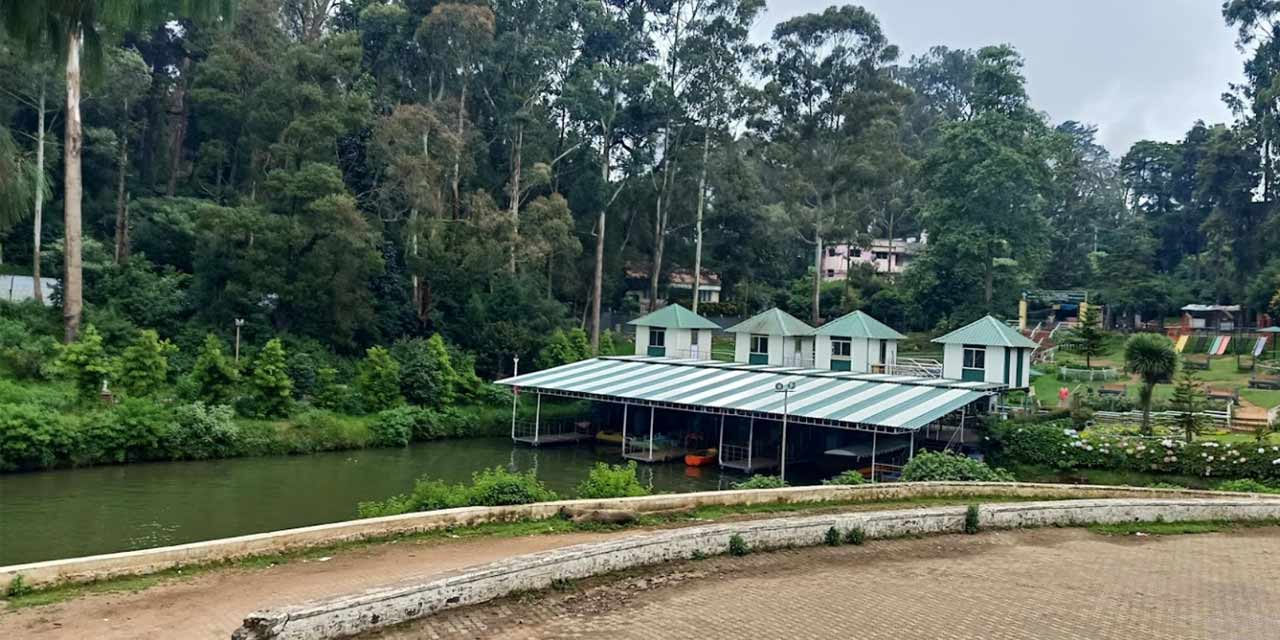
(890, 257)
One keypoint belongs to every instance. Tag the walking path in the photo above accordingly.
(1052, 584)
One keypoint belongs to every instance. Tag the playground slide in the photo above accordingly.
(1181, 344)
(1213, 346)
(1259, 346)
(1222, 348)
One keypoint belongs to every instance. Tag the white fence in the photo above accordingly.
(922, 367)
(1166, 418)
(1090, 375)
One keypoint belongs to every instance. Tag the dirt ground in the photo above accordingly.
(1054, 584)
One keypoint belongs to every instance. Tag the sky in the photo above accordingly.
(1137, 69)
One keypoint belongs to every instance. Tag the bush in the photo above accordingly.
(497, 486)
(213, 377)
(318, 430)
(144, 365)
(852, 476)
(832, 537)
(378, 380)
(971, 519)
(1246, 486)
(26, 355)
(202, 431)
(272, 390)
(612, 481)
(132, 431)
(426, 371)
(760, 482)
(393, 427)
(332, 395)
(34, 437)
(17, 587)
(85, 363)
(738, 546)
(929, 466)
(427, 495)
(1031, 444)
(855, 536)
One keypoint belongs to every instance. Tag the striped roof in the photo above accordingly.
(989, 332)
(858, 325)
(901, 403)
(674, 316)
(774, 322)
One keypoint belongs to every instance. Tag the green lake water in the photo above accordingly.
(77, 512)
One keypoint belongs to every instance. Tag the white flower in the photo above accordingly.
(1262, 450)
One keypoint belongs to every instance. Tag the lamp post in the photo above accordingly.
(785, 390)
(239, 323)
(515, 394)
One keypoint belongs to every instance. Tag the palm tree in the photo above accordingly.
(63, 29)
(20, 181)
(1151, 356)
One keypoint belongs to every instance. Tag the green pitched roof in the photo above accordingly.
(674, 316)
(774, 322)
(858, 325)
(987, 332)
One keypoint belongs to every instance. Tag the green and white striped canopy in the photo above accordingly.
(851, 400)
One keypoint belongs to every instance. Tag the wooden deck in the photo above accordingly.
(545, 439)
(751, 465)
(659, 455)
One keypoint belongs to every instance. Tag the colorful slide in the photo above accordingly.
(1259, 346)
(1222, 348)
(1182, 343)
(1213, 346)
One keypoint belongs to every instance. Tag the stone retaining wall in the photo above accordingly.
(373, 609)
(105, 566)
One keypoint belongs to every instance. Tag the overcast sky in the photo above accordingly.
(1138, 69)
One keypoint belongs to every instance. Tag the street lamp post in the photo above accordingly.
(239, 323)
(515, 395)
(785, 390)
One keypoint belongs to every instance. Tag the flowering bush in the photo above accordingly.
(1055, 445)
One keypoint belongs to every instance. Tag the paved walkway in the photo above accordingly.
(1053, 584)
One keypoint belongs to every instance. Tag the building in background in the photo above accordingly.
(890, 257)
(677, 286)
(20, 288)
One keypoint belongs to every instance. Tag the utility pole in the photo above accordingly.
(239, 323)
(785, 390)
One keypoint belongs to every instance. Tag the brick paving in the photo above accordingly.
(1065, 584)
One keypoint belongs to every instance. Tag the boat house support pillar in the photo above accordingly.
(652, 410)
(873, 456)
(537, 418)
(624, 429)
(720, 447)
(751, 434)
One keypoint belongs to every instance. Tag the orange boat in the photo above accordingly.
(700, 458)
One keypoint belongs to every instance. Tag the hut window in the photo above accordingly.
(975, 357)
(841, 348)
(759, 344)
(657, 337)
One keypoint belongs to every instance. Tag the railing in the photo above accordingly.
(528, 429)
(1164, 418)
(920, 367)
(1067, 373)
(694, 353)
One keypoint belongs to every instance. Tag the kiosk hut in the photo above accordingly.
(856, 342)
(674, 332)
(988, 350)
(773, 337)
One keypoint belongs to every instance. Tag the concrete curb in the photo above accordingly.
(144, 561)
(376, 608)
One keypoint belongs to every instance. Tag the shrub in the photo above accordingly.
(272, 390)
(17, 587)
(1246, 486)
(612, 481)
(427, 495)
(738, 546)
(852, 476)
(426, 371)
(202, 431)
(942, 466)
(26, 355)
(971, 519)
(855, 536)
(318, 430)
(34, 437)
(497, 486)
(832, 537)
(378, 380)
(213, 377)
(332, 395)
(1031, 444)
(564, 348)
(85, 363)
(393, 427)
(132, 431)
(760, 482)
(144, 365)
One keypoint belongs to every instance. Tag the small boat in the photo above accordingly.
(611, 437)
(700, 458)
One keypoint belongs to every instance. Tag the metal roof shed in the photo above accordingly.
(674, 331)
(855, 342)
(990, 350)
(773, 337)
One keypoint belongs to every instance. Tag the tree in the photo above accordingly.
(271, 388)
(427, 376)
(1089, 338)
(20, 182)
(1152, 357)
(1189, 402)
(64, 29)
(214, 377)
(86, 363)
(378, 380)
(144, 365)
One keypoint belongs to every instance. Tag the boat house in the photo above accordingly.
(674, 331)
(773, 337)
(856, 342)
(988, 350)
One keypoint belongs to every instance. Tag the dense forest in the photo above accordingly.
(347, 173)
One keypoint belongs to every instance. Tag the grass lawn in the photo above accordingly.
(1222, 374)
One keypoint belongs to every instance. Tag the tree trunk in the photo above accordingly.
(697, 234)
(38, 290)
(179, 129)
(817, 271)
(988, 276)
(598, 279)
(659, 233)
(72, 297)
(122, 206)
(516, 161)
(456, 184)
(1144, 396)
